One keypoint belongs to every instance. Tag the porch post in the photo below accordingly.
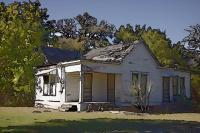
(81, 87)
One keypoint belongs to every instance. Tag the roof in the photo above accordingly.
(113, 53)
(56, 55)
(116, 52)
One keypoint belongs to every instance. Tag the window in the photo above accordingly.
(46, 79)
(140, 79)
(143, 83)
(52, 78)
(135, 77)
(50, 81)
(182, 86)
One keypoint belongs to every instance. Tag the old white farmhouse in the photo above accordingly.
(107, 75)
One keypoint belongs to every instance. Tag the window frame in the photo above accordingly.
(145, 89)
(138, 80)
(50, 84)
(139, 73)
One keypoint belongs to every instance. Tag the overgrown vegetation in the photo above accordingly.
(24, 29)
(142, 97)
(193, 53)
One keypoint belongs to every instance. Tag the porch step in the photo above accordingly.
(65, 107)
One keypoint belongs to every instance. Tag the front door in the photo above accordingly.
(166, 89)
(87, 87)
(111, 88)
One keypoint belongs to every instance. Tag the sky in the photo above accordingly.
(172, 16)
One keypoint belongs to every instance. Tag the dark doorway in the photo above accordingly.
(111, 88)
(166, 89)
(87, 87)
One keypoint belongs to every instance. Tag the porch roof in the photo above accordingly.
(45, 71)
(56, 55)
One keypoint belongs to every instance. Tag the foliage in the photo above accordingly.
(196, 87)
(22, 32)
(193, 38)
(85, 29)
(69, 43)
(193, 53)
(125, 34)
(163, 49)
(142, 96)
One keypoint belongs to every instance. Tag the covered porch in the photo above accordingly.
(87, 87)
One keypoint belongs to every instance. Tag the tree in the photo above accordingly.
(193, 38)
(85, 29)
(193, 53)
(70, 44)
(163, 49)
(126, 34)
(193, 49)
(22, 31)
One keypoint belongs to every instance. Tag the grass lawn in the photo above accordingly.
(22, 119)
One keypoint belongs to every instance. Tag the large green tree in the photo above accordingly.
(85, 31)
(22, 31)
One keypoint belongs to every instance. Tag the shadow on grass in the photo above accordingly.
(107, 125)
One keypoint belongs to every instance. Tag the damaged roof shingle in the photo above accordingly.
(113, 53)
